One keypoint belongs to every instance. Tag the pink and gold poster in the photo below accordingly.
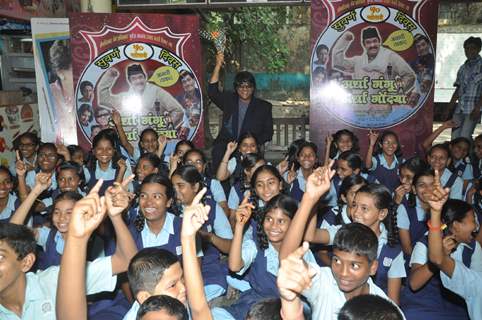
(146, 66)
(372, 67)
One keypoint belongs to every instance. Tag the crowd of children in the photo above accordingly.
(128, 232)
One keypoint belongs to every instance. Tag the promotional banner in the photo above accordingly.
(53, 71)
(372, 67)
(146, 66)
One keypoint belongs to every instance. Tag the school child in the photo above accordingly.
(412, 214)
(249, 164)
(215, 234)
(454, 275)
(341, 141)
(162, 307)
(48, 159)
(477, 157)
(106, 163)
(261, 257)
(306, 161)
(438, 158)
(369, 307)
(77, 155)
(372, 207)
(151, 272)
(153, 225)
(27, 145)
(28, 295)
(425, 297)
(474, 197)
(327, 289)
(383, 157)
(8, 199)
(149, 140)
(290, 156)
(407, 171)
(196, 158)
(231, 163)
(70, 177)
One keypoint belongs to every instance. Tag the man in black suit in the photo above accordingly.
(242, 111)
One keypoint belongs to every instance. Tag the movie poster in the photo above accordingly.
(53, 71)
(372, 67)
(146, 67)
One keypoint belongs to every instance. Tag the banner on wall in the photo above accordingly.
(372, 67)
(53, 71)
(145, 66)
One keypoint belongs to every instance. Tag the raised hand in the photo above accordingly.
(122, 164)
(43, 181)
(291, 174)
(243, 213)
(438, 195)
(116, 117)
(88, 213)
(372, 137)
(449, 243)
(117, 197)
(195, 215)
(294, 274)
(329, 140)
(63, 151)
(20, 166)
(450, 124)
(319, 181)
(231, 147)
(400, 192)
(219, 59)
(283, 165)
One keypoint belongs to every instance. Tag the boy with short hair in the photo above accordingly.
(162, 307)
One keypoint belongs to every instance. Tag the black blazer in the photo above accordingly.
(258, 119)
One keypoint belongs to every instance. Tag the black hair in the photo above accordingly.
(49, 145)
(155, 161)
(337, 135)
(268, 308)
(13, 180)
(247, 135)
(111, 136)
(71, 165)
(281, 201)
(29, 135)
(145, 131)
(346, 185)
(67, 195)
(86, 107)
(353, 159)
(455, 210)
(161, 179)
(459, 140)
(412, 197)
(419, 37)
(476, 41)
(59, 53)
(357, 238)
(169, 304)
(75, 148)
(442, 146)
(207, 171)
(321, 46)
(292, 152)
(383, 200)
(312, 146)
(249, 161)
(183, 142)
(85, 84)
(414, 164)
(242, 77)
(369, 307)
(378, 146)
(189, 174)
(147, 268)
(18, 237)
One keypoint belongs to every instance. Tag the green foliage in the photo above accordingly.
(253, 39)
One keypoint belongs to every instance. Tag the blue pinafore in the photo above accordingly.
(263, 285)
(387, 255)
(433, 301)
(93, 180)
(9, 213)
(387, 177)
(295, 191)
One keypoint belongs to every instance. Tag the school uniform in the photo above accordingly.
(46, 196)
(263, 268)
(463, 169)
(466, 283)
(52, 244)
(13, 203)
(108, 175)
(216, 189)
(214, 271)
(433, 301)
(452, 180)
(236, 195)
(13, 165)
(41, 290)
(334, 214)
(298, 186)
(386, 174)
(325, 297)
(413, 219)
(476, 167)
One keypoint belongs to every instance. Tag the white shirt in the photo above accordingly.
(41, 289)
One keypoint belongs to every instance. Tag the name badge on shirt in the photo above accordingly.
(387, 262)
(460, 173)
(47, 307)
(179, 250)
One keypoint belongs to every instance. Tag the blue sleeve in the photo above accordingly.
(222, 228)
(456, 190)
(402, 218)
(248, 254)
(217, 191)
(232, 165)
(468, 173)
(374, 164)
(30, 179)
(233, 199)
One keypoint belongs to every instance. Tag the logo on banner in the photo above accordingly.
(373, 67)
(140, 73)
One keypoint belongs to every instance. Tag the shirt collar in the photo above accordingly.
(168, 224)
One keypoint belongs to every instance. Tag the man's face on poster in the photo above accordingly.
(84, 117)
(188, 83)
(138, 82)
(422, 47)
(372, 46)
(88, 93)
(322, 55)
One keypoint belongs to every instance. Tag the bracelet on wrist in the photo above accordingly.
(436, 229)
